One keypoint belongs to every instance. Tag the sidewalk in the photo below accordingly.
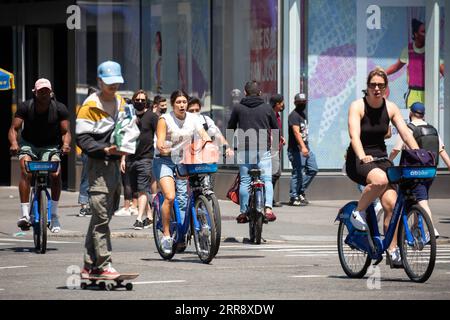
(314, 223)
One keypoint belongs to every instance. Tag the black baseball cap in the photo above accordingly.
(300, 97)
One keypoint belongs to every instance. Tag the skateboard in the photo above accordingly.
(109, 284)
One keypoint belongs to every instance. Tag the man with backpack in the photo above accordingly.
(427, 138)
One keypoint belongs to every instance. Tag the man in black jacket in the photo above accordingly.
(257, 123)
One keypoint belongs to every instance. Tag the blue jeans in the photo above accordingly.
(255, 161)
(299, 181)
(165, 167)
(83, 197)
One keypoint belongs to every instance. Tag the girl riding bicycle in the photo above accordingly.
(174, 131)
(368, 123)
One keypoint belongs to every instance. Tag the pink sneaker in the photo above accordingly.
(108, 273)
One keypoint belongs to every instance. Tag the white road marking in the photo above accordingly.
(54, 242)
(5, 244)
(13, 267)
(2, 289)
(310, 276)
(159, 282)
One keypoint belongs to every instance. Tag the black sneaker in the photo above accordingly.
(24, 223)
(303, 199)
(85, 212)
(147, 223)
(295, 202)
(138, 225)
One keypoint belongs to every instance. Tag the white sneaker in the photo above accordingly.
(55, 226)
(167, 244)
(358, 220)
(395, 257)
(436, 233)
(123, 212)
(134, 211)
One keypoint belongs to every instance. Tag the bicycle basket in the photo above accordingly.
(399, 174)
(185, 170)
(49, 166)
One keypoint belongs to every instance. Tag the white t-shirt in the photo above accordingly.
(213, 130)
(180, 132)
(400, 145)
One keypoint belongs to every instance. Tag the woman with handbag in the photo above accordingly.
(174, 131)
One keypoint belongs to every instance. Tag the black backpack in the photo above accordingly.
(427, 138)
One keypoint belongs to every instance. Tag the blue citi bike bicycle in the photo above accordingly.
(40, 199)
(202, 218)
(416, 238)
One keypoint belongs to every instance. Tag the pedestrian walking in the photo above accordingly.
(277, 103)
(304, 165)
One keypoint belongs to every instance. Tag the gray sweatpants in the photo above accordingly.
(104, 193)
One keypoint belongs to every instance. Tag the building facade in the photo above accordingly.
(210, 48)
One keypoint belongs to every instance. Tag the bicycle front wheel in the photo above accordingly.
(354, 262)
(158, 232)
(205, 238)
(418, 252)
(217, 219)
(40, 228)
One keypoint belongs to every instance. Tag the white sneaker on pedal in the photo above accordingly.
(358, 220)
(395, 257)
(166, 244)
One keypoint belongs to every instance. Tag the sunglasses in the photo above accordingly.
(373, 85)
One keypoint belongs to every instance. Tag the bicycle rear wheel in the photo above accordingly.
(418, 257)
(354, 262)
(256, 218)
(205, 239)
(158, 231)
(40, 227)
(217, 219)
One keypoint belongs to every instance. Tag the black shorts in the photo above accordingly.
(421, 191)
(140, 172)
(358, 171)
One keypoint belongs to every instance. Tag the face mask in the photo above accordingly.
(163, 111)
(300, 106)
(139, 106)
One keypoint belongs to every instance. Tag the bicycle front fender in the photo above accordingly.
(345, 212)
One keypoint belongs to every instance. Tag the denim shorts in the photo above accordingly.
(163, 167)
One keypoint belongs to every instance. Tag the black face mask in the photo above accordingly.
(139, 106)
(163, 111)
(300, 106)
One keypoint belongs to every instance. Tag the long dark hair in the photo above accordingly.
(176, 94)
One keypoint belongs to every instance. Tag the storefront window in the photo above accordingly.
(176, 47)
(109, 31)
(245, 47)
(341, 52)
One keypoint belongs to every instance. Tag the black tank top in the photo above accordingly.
(374, 127)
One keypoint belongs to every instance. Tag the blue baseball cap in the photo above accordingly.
(110, 72)
(418, 107)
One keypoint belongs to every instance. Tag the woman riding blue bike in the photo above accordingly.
(368, 123)
(174, 131)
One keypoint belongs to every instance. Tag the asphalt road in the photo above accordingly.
(298, 261)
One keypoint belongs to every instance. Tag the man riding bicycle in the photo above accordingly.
(46, 126)
(258, 122)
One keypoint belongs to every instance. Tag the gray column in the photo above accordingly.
(446, 133)
(432, 62)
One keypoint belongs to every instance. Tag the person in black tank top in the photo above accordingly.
(368, 125)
